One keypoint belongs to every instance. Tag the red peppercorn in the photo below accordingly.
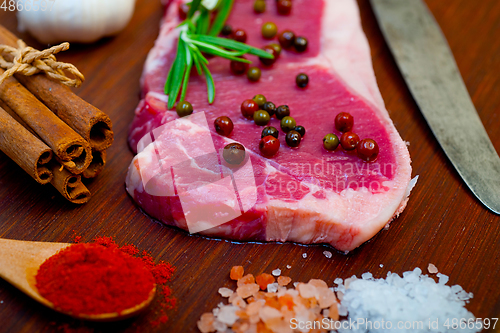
(234, 153)
(223, 125)
(266, 61)
(286, 39)
(349, 140)
(344, 122)
(238, 67)
(269, 145)
(239, 35)
(367, 150)
(284, 7)
(248, 108)
(183, 10)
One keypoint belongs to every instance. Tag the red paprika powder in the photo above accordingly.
(99, 277)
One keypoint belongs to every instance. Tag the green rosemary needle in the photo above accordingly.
(198, 35)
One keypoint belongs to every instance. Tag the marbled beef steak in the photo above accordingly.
(305, 194)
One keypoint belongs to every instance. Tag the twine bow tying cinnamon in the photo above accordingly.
(29, 61)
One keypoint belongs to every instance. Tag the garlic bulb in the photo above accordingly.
(83, 21)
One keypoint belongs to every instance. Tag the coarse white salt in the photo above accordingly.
(227, 314)
(414, 298)
(432, 269)
(272, 287)
(225, 292)
(304, 255)
(288, 266)
(327, 254)
(381, 265)
(276, 272)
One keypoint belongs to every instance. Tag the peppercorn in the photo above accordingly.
(302, 80)
(260, 99)
(287, 124)
(223, 125)
(269, 145)
(300, 44)
(367, 150)
(344, 122)
(293, 139)
(331, 141)
(301, 130)
(266, 61)
(282, 111)
(248, 108)
(253, 74)
(270, 130)
(261, 117)
(276, 48)
(226, 30)
(349, 140)
(259, 6)
(284, 7)
(270, 108)
(269, 30)
(184, 108)
(239, 35)
(183, 10)
(238, 67)
(234, 153)
(286, 39)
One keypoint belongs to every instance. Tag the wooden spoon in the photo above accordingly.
(19, 263)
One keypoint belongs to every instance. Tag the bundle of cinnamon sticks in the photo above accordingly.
(54, 135)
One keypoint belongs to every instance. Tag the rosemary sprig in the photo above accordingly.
(198, 35)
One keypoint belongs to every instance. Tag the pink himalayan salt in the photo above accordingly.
(307, 290)
(206, 323)
(432, 269)
(225, 292)
(284, 280)
(247, 290)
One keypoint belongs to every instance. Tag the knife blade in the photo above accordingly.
(430, 71)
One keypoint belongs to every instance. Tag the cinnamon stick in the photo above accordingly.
(97, 164)
(24, 148)
(65, 143)
(88, 121)
(69, 185)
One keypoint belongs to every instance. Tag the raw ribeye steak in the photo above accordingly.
(305, 194)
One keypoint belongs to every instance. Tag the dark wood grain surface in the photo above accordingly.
(443, 224)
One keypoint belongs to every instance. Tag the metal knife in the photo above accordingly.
(430, 71)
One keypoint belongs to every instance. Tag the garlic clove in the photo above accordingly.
(83, 21)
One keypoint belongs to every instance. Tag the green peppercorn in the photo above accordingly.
(287, 124)
(270, 130)
(269, 30)
(261, 118)
(276, 48)
(270, 108)
(293, 139)
(282, 111)
(301, 130)
(300, 44)
(184, 108)
(331, 141)
(259, 6)
(253, 74)
(260, 99)
(302, 80)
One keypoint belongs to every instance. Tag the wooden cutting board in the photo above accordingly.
(443, 224)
